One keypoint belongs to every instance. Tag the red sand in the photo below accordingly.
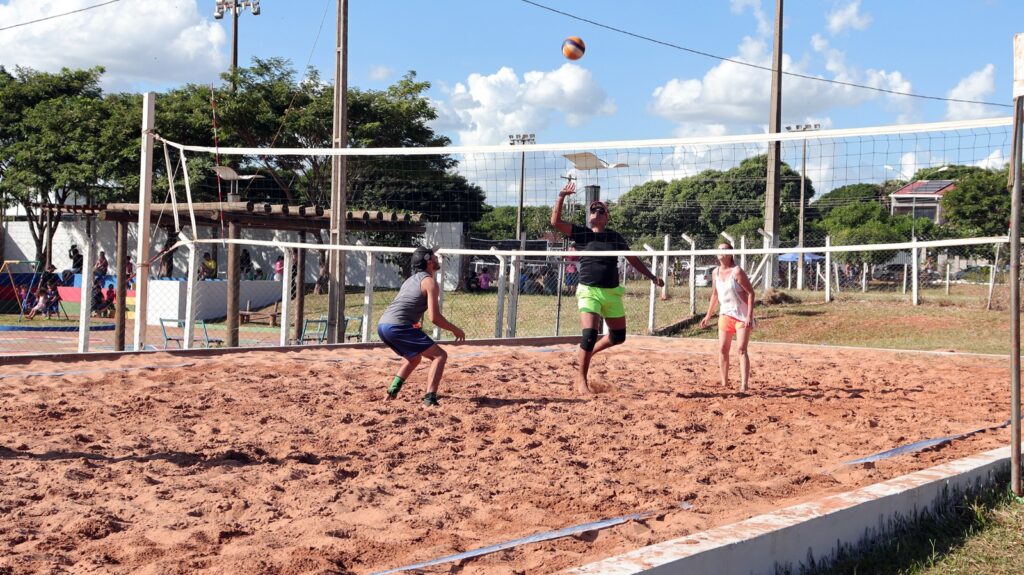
(266, 462)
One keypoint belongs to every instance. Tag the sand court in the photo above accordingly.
(292, 462)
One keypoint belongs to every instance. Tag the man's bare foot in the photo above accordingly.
(581, 386)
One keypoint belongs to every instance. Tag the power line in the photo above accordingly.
(60, 15)
(757, 66)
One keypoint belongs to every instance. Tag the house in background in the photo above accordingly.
(921, 199)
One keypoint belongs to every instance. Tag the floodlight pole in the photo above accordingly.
(1018, 127)
(513, 304)
(803, 178)
(339, 167)
(236, 7)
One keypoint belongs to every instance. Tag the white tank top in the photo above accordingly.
(732, 300)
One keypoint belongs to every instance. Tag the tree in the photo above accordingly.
(979, 205)
(845, 195)
(58, 139)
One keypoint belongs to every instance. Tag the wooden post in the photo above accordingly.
(339, 183)
(120, 310)
(693, 274)
(513, 289)
(1014, 279)
(992, 277)
(300, 289)
(142, 230)
(234, 284)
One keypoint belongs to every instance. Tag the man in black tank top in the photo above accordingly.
(399, 326)
(599, 295)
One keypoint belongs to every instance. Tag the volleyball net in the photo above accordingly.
(880, 213)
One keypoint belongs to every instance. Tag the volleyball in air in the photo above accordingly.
(573, 48)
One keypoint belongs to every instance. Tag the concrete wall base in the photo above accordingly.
(818, 529)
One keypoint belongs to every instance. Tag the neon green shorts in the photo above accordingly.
(605, 302)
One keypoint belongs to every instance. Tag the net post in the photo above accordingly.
(558, 296)
(368, 296)
(1015, 205)
(915, 267)
(500, 312)
(286, 297)
(339, 182)
(513, 292)
(828, 268)
(653, 294)
(142, 230)
(665, 268)
(440, 292)
(85, 297)
(191, 291)
(743, 254)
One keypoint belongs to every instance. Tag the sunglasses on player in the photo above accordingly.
(599, 210)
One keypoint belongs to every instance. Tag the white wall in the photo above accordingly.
(18, 245)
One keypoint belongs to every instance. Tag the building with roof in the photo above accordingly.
(921, 199)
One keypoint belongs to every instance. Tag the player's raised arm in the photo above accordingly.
(556, 213)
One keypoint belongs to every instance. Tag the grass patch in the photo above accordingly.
(982, 533)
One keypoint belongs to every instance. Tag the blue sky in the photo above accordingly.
(496, 66)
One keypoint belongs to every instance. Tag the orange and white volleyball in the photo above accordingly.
(573, 48)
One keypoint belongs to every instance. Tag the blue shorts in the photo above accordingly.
(406, 340)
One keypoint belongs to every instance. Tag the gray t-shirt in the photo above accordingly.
(409, 304)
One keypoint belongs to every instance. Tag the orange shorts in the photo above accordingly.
(729, 324)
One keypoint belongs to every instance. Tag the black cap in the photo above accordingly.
(420, 257)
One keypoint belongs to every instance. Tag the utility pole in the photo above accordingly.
(513, 305)
(803, 201)
(339, 166)
(1015, 201)
(236, 7)
(773, 185)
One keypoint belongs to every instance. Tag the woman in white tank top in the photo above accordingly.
(735, 298)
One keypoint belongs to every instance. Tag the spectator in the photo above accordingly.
(485, 279)
(245, 264)
(49, 276)
(472, 282)
(100, 269)
(279, 268)
(208, 268)
(322, 281)
(129, 273)
(109, 299)
(96, 298)
(40, 304)
(76, 259)
(52, 302)
(27, 298)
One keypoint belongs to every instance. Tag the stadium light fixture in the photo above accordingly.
(235, 7)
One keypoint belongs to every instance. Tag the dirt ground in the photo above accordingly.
(270, 462)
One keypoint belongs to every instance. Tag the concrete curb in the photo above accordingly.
(816, 529)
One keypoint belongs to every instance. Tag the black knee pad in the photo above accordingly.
(589, 339)
(617, 336)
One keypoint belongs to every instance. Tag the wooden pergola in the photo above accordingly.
(235, 216)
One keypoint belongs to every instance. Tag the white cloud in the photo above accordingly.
(486, 108)
(994, 161)
(139, 43)
(380, 73)
(977, 85)
(764, 28)
(848, 16)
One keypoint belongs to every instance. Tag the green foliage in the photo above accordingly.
(952, 172)
(979, 205)
(853, 193)
(500, 223)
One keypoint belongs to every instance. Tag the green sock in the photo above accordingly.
(395, 387)
(430, 398)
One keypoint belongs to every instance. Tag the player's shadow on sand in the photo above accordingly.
(482, 401)
(776, 393)
(230, 457)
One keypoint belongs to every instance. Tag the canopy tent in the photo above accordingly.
(796, 257)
